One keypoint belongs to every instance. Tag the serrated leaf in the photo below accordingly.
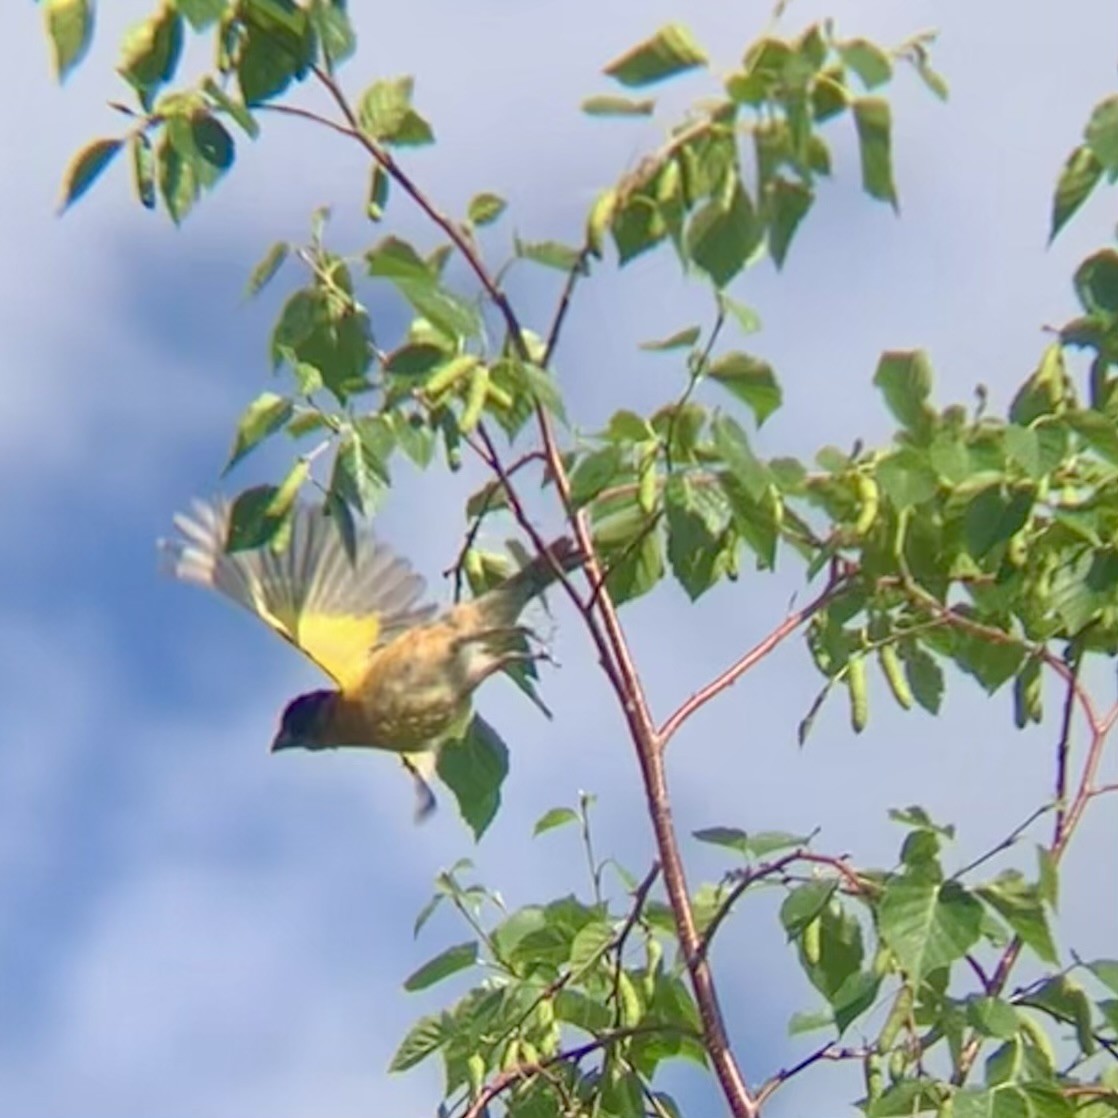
(927, 924)
(594, 473)
(556, 817)
(723, 235)
(263, 417)
(85, 168)
(732, 444)
(733, 838)
(1101, 133)
(788, 203)
(873, 119)
(385, 112)
(1079, 176)
(681, 339)
(426, 1036)
(1106, 971)
(443, 965)
(70, 30)
(474, 768)
(803, 904)
(236, 110)
(867, 60)
(589, 944)
(672, 50)
(905, 380)
(485, 208)
(751, 380)
(251, 521)
(1019, 903)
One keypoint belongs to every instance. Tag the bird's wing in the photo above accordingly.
(331, 608)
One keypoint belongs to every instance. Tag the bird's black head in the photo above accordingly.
(304, 722)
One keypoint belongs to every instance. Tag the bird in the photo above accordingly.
(404, 671)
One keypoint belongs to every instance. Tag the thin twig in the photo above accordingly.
(512, 1076)
(1005, 843)
(828, 1051)
(736, 670)
(1063, 753)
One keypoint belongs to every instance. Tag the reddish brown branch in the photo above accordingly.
(736, 670)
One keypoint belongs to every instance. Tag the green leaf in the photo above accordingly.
(200, 14)
(385, 112)
(1102, 133)
(263, 273)
(722, 235)
(252, 523)
(582, 1011)
(927, 924)
(590, 944)
(867, 60)
(732, 444)
(263, 417)
(426, 1036)
(993, 1017)
(692, 547)
(905, 380)
(993, 516)
(556, 817)
(236, 110)
(70, 30)
(396, 261)
(803, 904)
(474, 768)
(1096, 283)
(788, 203)
(618, 106)
(1106, 971)
(748, 320)
(874, 123)
(634, 567)
(681, 339)
(331, 21)
(733, 838)
(1078, 178)
(85, 168)
(594, 473)
(751, 380)
(150, 52)
(485, 208)
(671, 51)
(443, 965)
(1019, 903)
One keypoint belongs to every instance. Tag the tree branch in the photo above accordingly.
(736, 670)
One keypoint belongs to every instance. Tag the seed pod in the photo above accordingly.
(869, 497)
(629, 1007)
(475, 1069)
(893, 671)
(812, 941)
(447, 376)
(874, 1074)
(898, 1015)
(857, 687)
(475, 399)
(647, 480)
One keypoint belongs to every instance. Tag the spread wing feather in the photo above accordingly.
(333, 609)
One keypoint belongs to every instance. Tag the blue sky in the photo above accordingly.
(189, 926)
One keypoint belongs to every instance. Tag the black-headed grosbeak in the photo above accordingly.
(405, 674)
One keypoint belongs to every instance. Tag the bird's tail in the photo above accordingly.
(535, 577)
